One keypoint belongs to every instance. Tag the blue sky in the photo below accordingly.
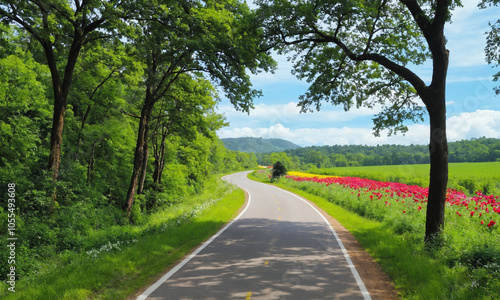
(473, 109)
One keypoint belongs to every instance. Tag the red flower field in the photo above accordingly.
(480, 206)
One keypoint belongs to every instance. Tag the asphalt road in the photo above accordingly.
(279, 247)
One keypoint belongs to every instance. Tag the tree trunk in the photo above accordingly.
(56, 136)
(90, 166)
(160, 159)
(438, 181)
(139, 149)
(144, 166)
(80, 133)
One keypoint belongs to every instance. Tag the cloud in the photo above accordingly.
(289, 114)
(474, 124)
(463, 126)
(328, 136)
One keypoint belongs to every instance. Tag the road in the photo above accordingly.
(279, 247)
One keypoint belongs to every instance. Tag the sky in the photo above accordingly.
(473, 108)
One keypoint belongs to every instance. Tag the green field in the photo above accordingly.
(468, 177)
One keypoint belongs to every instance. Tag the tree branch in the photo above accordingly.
(373, 30)
(419, 16)
(129, 114)
(400, 70)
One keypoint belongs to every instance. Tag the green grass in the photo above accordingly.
(116, 274)
(466, 265)
(468, 177)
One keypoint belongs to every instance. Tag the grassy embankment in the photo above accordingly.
(115, 271)
(465, 266)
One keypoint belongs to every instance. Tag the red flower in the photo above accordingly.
(404, 211)
(491, 223)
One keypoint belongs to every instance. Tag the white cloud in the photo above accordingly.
(474, 124)
(463, 126)
(328, 136)
(290, 113)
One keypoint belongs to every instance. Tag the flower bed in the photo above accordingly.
(485, 208)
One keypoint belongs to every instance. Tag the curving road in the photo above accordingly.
(279, 247)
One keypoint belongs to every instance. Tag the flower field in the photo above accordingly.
(466, 262)
(485, 209)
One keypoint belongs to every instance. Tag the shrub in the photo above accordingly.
(279, 170)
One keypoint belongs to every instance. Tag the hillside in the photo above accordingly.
(258, 145)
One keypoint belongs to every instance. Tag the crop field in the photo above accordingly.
(466, 177)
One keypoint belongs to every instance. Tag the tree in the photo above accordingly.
(279, 170)
(216, 38)
(62, 29)
(186, 110)
(357, 53)
(24, 118)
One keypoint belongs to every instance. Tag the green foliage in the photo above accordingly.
(279, 170)
(351, 53)
(105, 97)
(113, 265)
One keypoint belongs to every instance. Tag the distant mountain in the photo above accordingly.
(258, 145)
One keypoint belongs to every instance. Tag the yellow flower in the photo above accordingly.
(309, 175)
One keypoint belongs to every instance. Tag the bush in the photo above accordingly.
(279, 170)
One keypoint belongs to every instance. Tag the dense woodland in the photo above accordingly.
(474, 150)
(107, 112)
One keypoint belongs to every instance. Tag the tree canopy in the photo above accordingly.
(87, 84)
(360, 53)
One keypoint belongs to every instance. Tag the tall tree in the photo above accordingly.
(175, 38)
(357, 53)
(187, 109)
(61, 28)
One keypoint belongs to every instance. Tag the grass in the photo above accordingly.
(116, 271)
(465, 266)
(468, 177)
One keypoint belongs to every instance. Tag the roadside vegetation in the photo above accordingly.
(120, 260)
(107, 128)
(388, 221)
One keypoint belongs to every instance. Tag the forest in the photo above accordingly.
(473, 150)
(107, 113)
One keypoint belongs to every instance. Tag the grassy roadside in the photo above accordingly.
(118, 270)
(417, 272)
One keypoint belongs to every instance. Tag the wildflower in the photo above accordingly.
(491, 223)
